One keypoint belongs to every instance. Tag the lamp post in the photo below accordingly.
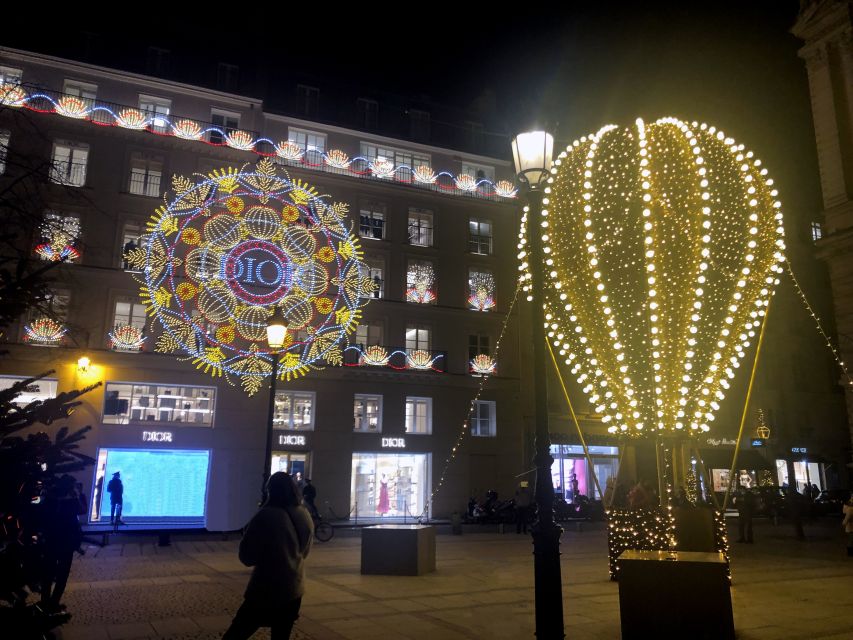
(276, 333)
(532, 153)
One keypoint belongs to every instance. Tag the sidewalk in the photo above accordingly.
(483, 588)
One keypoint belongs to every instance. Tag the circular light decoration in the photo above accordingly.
(662, 245)
(230, 247)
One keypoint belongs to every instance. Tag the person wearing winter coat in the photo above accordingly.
(275, 543)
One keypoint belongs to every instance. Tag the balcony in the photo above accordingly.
(381, 356)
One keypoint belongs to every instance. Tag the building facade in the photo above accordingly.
(380, 435)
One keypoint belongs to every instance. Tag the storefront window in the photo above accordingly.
(807, 473)
(43, 389)
(782, 472)
(570, 473)
(720, 477)
(389, 484)
(294, 463)
(294, 410)
(131, 402)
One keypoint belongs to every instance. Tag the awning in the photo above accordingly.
(721, 458)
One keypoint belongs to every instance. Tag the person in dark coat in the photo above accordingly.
(275, 543)
(745, 503)
(309, 494)
(62, 537)
(116, 490)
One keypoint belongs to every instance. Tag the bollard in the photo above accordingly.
(456, 523)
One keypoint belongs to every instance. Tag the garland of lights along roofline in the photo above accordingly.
(465, 424)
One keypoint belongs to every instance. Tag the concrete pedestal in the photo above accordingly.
(674, 595)
(398, 549)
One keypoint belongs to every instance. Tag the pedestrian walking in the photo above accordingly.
(116, 490)
(745, 503)
(523, 500)
(847, 523)
(275, 543)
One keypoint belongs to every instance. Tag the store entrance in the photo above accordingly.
(390, 485)
(293, 462)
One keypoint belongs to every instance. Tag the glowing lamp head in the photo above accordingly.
(532, 153)
(276, 329)
(83, 364)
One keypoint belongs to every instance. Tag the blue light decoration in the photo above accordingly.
(335, 160)
(378, 356)
(228, 249)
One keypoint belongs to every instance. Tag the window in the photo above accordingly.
(146, 172)
(85, 91)
(128, 329)
(308, 100)
(69, 163)
(294, 410)
(418, 415)
(4, 149)
(307, 140)
(420, 227)
(480, 236)
(478, 345)
(59, 238)
(817, 231)
(369, 334)
(128, 312)
(479, 171)
(225, 121)
(483, 419)
(375, 271)
(43, 389)
(10, 75)
(419, 124)
(399, 158)
(368, 113)
(417, 338)
(372, 220)
(367, 413)
(45, 326)
(156, 110)
(420, 282)
(481, 289)
(227, 76)
(153, 404)
(55, 305)
(131, 233)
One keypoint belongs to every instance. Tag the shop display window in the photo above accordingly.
(388, 485)
(294, 463)
(294, 410)
(571, 475)
(135, 403)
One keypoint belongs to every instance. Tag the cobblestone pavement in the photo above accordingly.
(483, 588)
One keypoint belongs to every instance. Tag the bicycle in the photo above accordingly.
(323, 531)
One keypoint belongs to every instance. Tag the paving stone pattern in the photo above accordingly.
(483, 588)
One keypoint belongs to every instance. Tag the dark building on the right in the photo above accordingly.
(826, 26)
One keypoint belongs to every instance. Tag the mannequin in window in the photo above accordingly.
(384, 504)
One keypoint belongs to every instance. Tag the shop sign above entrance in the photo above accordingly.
(291, 440)
(799, 450)
(156, 436)
(393, 443)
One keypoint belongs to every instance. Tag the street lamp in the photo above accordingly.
(276, 334)
(532, 153)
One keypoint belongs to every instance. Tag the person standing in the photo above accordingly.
(522, 506)
(309, 494)
(275, 543)
(62, 537)
(116, 490)
(745, 503)
(847, 523)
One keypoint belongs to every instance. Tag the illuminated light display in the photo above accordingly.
(482, 291)
(483, 365)
(289, 150)
(212, 296)
(240, 140)
(378, 356)
(187, 129)
(45, 332)
(127, 338)
(424, 175)
(420, 282)
(420, 359)
(375, 356)
(59, 237)
(11, 95)
(663, 244)
(382, 168)
(72, 107)
(131, 119)
(337, 159)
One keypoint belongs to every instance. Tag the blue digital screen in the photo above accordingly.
(158, 483)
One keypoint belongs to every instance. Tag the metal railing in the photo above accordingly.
(393, 357)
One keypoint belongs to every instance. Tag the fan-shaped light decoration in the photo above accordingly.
(663, 244)
(337, 159)
(187, 129)
(241, 140)
(11, 95)
(420, 280)
(505, 189)
(44, 331)
(126, 337)
(466, 183)
(59, 237)
(382, 168)
(420, 359)
(481, 285)
(248, 254)
(424, 175)
(375, 356)
(289, 150)
(131, 119)
(72, 107)
(483, 365)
